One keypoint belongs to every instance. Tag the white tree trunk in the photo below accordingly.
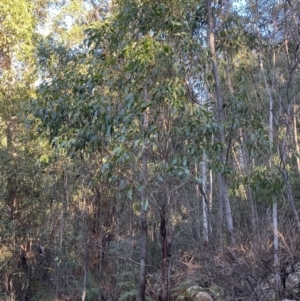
(223, 187)
(204, 198)
(271, 135)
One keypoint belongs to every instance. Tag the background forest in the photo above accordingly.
(149, 150)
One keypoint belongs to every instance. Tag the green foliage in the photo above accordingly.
(266, 184)
(128, 295)
(128, 286)
(93, 290)
(17, 24)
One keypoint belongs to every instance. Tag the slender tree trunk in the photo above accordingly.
(84, 242)
(204, 198)
(203, 224)
(210, 199)
(248, 189)
(99, 200)
(164, 218)
(223, 186)
(166, 248)
(11, 195)
(292, 115)
(275, 213)
(197, 204)
(64, 208)
(285, 173)
(295, 108)
(143, 216)
(271, 140)
(11, 122)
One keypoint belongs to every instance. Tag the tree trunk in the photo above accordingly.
(284, 154)
(11, 195)
(271, 140)
(295, 108)
(164, 217)
(143, 216)
(166, 251)
(205, 199)
(223, 188)
(246, 162)
(84, 253)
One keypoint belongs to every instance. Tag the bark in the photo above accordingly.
(11, 123)
(164, 217)
(11, 195)
(143, 216)
(203, 208)
(64, 209)
(101, 236)
(292, 116)
(210, 185)
(84, 242)
(223, 186)
(204, 199)
(271, 141)
(98, 224)
(284, 154)
(197, 205)
(296, 137)
(166, 252)
(210, 198)
(246, 162)
(97, 10)
(276, 246)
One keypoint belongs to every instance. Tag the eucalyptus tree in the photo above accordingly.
(223, 185)
(97, 101)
